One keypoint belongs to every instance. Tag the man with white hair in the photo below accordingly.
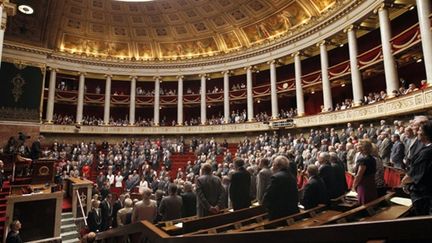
(281, 197)
(124, 215)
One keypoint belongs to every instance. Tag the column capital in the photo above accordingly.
(178, 77)
(53, 69)
(352, 27)
(322, 43)
(229, 72)
(273, 61)
(133, 77)
(297, 53)
(159, 78)
(381, 7)
(82, 73)
(108, 75)
(203, 75)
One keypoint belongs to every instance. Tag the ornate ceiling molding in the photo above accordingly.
(348, 12)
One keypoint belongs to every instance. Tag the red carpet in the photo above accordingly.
(67, 205)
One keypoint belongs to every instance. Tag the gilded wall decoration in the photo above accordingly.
(289, 17)
(323, 4)
(231, 40)
(188, 48)
(17, 87)
(92, 46)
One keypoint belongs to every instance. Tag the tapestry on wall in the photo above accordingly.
(20, 92)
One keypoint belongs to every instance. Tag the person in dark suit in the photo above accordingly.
(281, 196)
(239, 190)
(189, 200)
(36, 149)
(209, 192)
(118, 204)
(94, 217)
(315, 191)
(106, 212)
(327, 173)
(13, 235)
(341, 186)
(397, 152)
(417, 181)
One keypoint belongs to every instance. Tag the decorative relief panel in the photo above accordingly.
(231, 23)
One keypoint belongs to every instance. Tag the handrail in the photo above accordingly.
(82, 208)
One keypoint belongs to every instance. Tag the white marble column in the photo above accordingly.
(298, 85)
(156, 101)
(226, 96)
(107, 104)
(390, 69)
(273, 90)
(51, 95)
(132, 100)
(80, 105)
(424, 10)
(327, 95)
(249, 94)
(203, 99)
(180, 100)
(356, 79)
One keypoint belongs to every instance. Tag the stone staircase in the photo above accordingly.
(69, 233)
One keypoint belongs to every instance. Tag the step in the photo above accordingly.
(67, 221)
(66, 215)
(70, 241)
(68, 228)
(69, 235)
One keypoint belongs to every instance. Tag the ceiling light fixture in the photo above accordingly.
(25, 9)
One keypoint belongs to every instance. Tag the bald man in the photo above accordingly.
(281, 196)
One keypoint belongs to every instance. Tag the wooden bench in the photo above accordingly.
(211, 221)
(234, 225)
(281, 222)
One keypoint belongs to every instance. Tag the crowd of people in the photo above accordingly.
(264, 168)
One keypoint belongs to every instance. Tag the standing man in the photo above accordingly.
(36, 149)
(171, 206)
(106, 212)
(281, 197)
(239, 190)
(13, 235)
(263, 179)
(397, 152)
(209, 192)
(315, 191)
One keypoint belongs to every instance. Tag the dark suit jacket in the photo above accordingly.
(397, 154)
(209, 192)
(281, 197)
(315, 192)
(189, 204)
(327, 173)
(13, 237)
(239, 190)
(94, 221)
(340, 179)
(36, 150)
(116, 207)
(106, 214)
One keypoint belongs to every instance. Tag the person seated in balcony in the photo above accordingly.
(411, 88)
(98, 90)
(423, 84)
(382, 95)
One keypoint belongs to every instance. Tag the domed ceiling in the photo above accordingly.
(161, 29)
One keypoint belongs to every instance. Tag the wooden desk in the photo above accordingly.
(84, 188)
(40, 214)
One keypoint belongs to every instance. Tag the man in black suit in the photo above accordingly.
(106, 212)
(13, 235)
(189, 200)
(239, 190)
(118, 204)
(209, 192)
(281, 197)
(36, 149)
(315, 191)
(94, 217)
(397, 152)
(327, 173)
